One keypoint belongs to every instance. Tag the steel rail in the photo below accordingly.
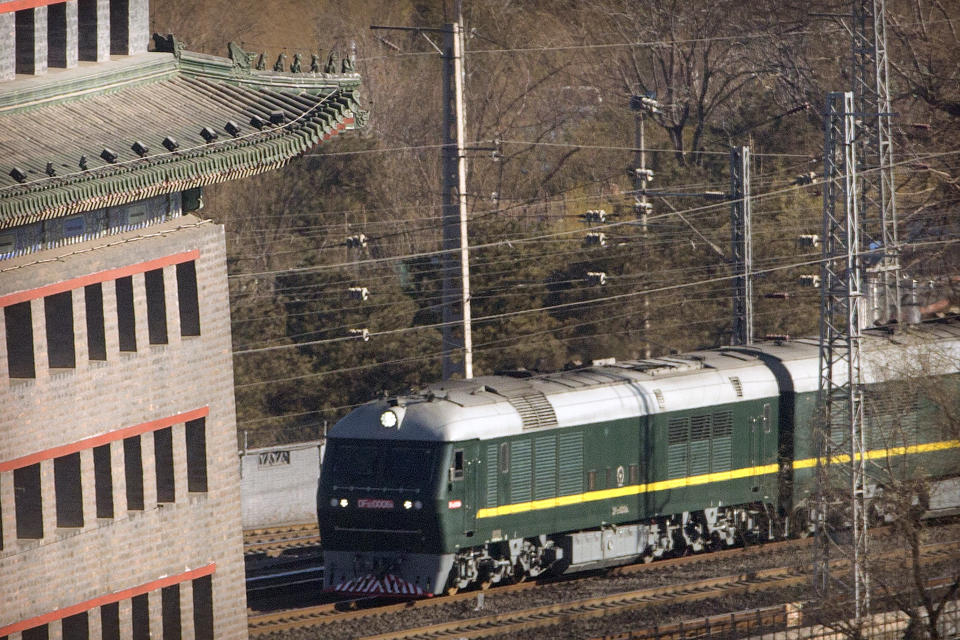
(345, 611)
(551, 615)
(272, 540)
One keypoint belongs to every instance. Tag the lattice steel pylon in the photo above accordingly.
(742, 245)
(878, 205)
(840, 395)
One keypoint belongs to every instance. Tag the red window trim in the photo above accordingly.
(116, 596)
(19, 5)
(100, 276)
(104, 438)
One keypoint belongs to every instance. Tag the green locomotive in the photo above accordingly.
(503, 477)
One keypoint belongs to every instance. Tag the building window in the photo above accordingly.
(96, 336)
(203, 608)
(163, 459)
(76, 627)
(133, 470)
(69, 495)
(37, 633)
(103, 480)
(29, 505)
(156, 306)
(187, 298)
(58, 311)
(126, 316)
(170, 607)
(19, 322)
(110, 621)
(140, 616)
(196, 455)
(25, 41)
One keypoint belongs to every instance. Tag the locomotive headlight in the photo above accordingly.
(344, 502)
(334, 502)
(407, 504)
(418, 505)
(389, 419)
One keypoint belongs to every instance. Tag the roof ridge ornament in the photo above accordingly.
(241, 58)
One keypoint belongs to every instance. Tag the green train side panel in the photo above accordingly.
(905, 436)
(578, 477)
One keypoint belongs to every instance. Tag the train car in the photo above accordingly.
(503, 477)
(903, 434)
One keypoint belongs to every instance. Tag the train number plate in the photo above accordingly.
(374, 503)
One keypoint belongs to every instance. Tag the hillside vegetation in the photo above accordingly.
(548, 88)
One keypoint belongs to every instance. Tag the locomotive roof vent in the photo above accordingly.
(535, 410)
(737, 387)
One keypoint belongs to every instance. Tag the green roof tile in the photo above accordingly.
(67, 115)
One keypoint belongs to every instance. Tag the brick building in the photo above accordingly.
(119, 483)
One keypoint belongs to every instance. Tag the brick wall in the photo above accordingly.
(93, 403)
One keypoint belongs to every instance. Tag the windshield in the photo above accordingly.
(382, 466)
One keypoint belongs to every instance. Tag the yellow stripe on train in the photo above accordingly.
(630, 490)
(928, 447)
(690, 481)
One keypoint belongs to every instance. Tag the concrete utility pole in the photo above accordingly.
(878, 203)
(641, 106)
(741, 245)
(456, 266)
(456, 249)
(840, 393)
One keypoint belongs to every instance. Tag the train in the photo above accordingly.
(472, 482)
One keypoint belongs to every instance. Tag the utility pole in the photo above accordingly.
(840, 391)
(642, 105)
(456, 265)
(741, 245)
(878, 205)
(456, 249)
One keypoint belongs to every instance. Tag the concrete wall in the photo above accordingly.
(197, 535)
(279, 485)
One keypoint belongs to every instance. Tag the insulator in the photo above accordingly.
(641, 208)
(595, 215)
(805, 178)
(597, 277)
(777, 337)
(358, 241)
(359, 293)
(644, 174)
(363, 334)
(596, 239)
(777, 295)
(809, 240)
(810, 280)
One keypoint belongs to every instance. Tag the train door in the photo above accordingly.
(760, 427)
(462, 485)
(473, 467)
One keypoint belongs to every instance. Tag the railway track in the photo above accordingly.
(505, 625)
(554, 614)
(274, 540)
(319, 615)
(551, 615)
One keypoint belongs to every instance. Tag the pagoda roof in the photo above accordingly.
(98, 112)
